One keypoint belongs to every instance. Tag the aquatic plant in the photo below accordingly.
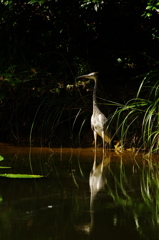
(25, 176)
(16, 175)
(132, 189)
(137, 121)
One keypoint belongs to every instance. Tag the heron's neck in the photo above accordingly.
(94, 93)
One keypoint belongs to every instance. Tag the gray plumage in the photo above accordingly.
(98, 119)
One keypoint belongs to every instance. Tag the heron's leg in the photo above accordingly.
(102, 164)
(103, 142)
(95, 140)
(95, 154)
(95, 162)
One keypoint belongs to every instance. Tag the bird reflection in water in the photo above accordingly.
(97, 182)
(97, 178)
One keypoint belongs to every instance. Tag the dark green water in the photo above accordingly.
(63, 205)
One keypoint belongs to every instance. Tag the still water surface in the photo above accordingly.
(74, 202)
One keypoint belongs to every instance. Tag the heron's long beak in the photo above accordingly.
(83, 76)
(89, 76)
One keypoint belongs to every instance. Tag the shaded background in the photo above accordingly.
(45, 45)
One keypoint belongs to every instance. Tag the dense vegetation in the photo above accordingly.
(46, 44)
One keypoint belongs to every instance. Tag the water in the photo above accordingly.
(118, 200)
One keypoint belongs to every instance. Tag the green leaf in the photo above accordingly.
(1, 158)
(3, 167)
(148, 7)
(12, 175)
(148, 14)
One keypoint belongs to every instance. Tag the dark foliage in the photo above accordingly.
(46, 44)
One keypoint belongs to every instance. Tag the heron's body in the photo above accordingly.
(98, 119)
(98, 124)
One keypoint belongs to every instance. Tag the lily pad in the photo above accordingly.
(3, 167)
(1, 158)
(12, 175)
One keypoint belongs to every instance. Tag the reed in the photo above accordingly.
(137, 120)
(135, 190)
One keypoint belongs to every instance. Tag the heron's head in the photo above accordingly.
(92, 75)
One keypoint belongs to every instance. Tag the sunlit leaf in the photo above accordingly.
(12, 175)
(3, 167)
(1, 158)
(148, 14)
(148, 7)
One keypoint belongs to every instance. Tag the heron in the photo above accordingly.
(98, 119)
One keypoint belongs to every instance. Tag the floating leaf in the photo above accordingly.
(12, 175)
(3, 167)
(1, 157)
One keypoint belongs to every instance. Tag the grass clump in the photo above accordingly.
(137, 121)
